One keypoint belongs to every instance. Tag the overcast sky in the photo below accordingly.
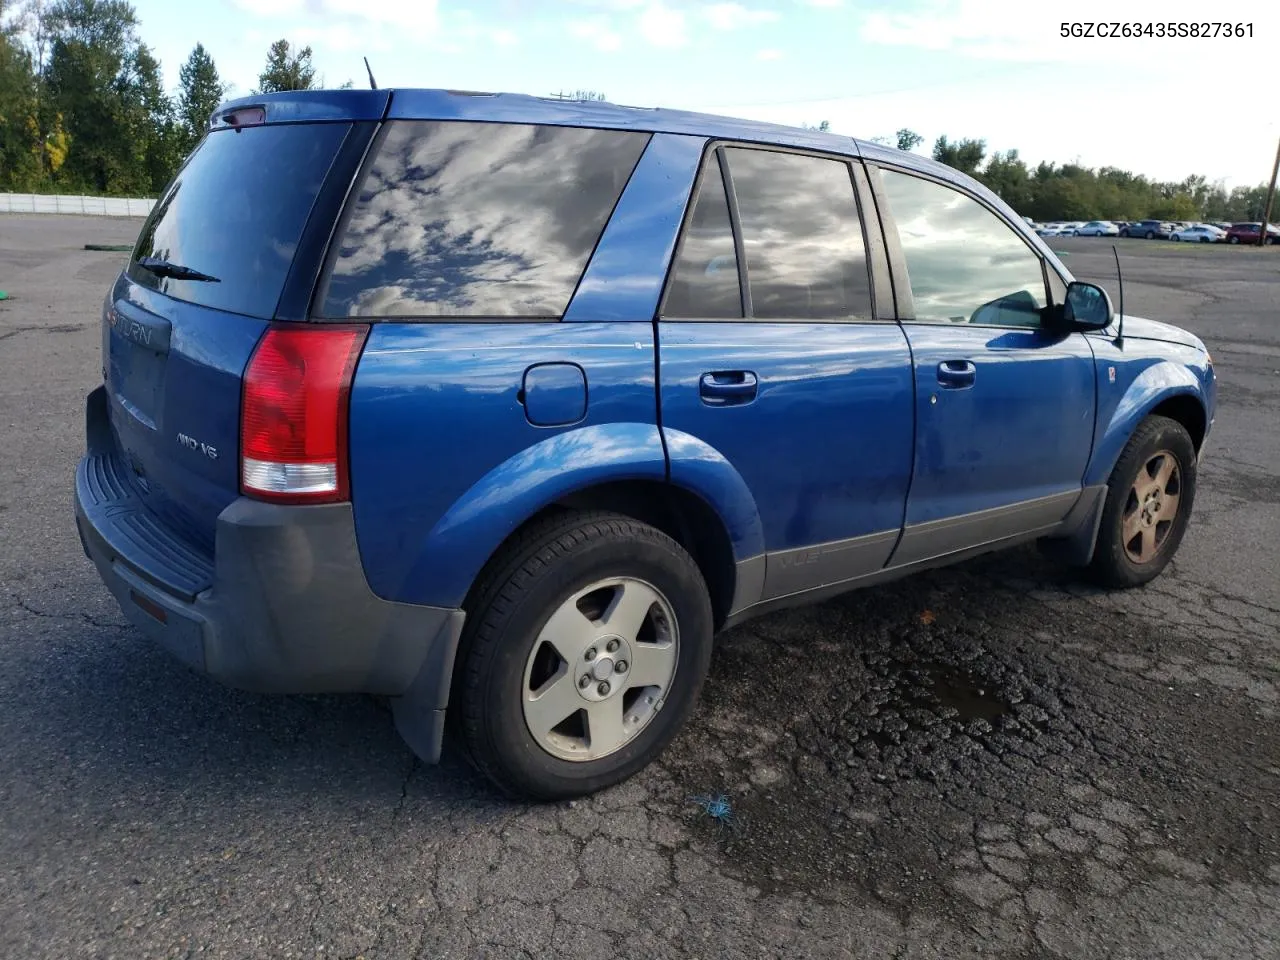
(994, 69)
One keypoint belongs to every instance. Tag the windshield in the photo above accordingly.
(236, 211)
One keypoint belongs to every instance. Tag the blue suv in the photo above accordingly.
(504, 407)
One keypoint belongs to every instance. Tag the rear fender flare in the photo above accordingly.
(472, 530)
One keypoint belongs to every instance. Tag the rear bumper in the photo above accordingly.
(282, 606)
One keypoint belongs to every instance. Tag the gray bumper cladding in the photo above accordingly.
(282, 606)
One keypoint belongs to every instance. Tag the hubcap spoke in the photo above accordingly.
(605, 730)
(630, 605)
(1132, 525)
(552, 705)
(1169, 506)
(569, 632)
(1148, 544)
(1165, 471)
(652, 665)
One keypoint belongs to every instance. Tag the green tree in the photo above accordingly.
(200, 90)
(965, 155)
(908, 139)
(287, 69)
(19, 129)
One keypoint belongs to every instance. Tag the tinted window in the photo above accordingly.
(236, 212)
(705, 281)
(966, 264)
(477, 219)
(801, 235)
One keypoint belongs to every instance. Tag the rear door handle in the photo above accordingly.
(726, 388)
(957, 374)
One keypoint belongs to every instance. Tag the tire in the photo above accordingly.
(537, 576)
(1124, 233)
(1075, 233)
(1174, 237)
(1233, 239)
(1116, 563)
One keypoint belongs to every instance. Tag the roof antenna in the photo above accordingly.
(373, 84)
(1119, 280)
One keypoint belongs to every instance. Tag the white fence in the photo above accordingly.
(93, 206)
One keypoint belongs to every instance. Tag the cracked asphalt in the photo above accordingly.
(994, 760)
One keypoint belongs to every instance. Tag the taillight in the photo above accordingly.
(293, 418)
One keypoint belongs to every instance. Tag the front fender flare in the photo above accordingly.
(1149, 389)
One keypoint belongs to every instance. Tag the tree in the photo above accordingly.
(590, 95)
(287, 69)
(824, 126)
(200, 91)
(965, 156)
(19, 129)
(908, 139)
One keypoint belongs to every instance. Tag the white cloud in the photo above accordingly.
(505, 38)
(597, 33)
(769, 54)
(823, 3)
(731, 16)
(414, 16)
(663, 26)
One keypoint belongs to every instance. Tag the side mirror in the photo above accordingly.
(1087, 307)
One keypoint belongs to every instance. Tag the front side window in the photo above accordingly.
(704, 283)
(966, 265)
(802, 236)
(488, 220)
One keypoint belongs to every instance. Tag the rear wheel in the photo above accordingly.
(1174, 236)
(586, 644)
(1148, 505)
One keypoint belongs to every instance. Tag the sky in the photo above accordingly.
(998, 70)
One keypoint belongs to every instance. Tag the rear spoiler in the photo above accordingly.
(301, 106)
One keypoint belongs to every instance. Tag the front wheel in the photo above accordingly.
(586, 643)
(1233, 239)
(1150, 234)
(1148, 506)
(1175, 237)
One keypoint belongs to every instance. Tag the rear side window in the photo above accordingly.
(488, 220)
(705, 281)
(236, 211)
(802, 236)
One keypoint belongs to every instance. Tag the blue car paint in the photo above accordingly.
(1147, 372)
(696, 466)
(428, 391)
(193, 391)
(445, 463)
(825, 446)
(311, 106)
(625, 277)
(1023, 430)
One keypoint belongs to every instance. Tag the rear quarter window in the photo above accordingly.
(236, 211)
(482, 220)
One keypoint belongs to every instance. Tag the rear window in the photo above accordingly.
(458, 219)
(236, 211)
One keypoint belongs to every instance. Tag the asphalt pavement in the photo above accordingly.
(995, 760)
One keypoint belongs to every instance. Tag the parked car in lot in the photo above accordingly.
(382, 382)
(1049, 230)
(1249, 233)
(1199, 233)
(1096, 228)
(1148, 230)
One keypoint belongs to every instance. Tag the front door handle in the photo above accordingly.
(726, 388)
(957, 374)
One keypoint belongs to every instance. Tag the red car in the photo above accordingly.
(1248, 233)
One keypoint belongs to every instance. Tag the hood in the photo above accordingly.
(1144, 329)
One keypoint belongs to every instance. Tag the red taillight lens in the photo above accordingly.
(293, 419)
